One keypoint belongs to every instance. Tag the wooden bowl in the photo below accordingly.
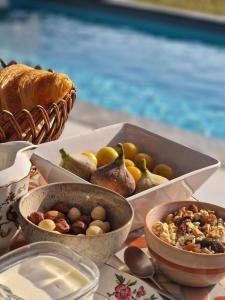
(39, 125)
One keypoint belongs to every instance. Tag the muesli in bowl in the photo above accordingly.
(193, 229)
(186, 241)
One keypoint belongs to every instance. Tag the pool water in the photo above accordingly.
(151, 70)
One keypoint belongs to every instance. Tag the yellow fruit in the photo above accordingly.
(128, 163)
(130, 150)
(135, 172)
(164, 170)
(91, 156)
(106, 155)
(140, 156)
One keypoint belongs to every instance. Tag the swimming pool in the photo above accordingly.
(146, 69)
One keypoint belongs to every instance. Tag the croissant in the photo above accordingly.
(22, 87)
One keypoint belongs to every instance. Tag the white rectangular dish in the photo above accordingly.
(191, 167)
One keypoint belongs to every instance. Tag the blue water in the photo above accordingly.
(164, 73)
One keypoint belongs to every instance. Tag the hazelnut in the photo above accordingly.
(36, 217)
(62, 226)
(98, 213)
(61, 207)
(86, 219)
(54, 215)
(78, 227)
(47, 224)
(105, 226)
(94, 230)
(73, 214)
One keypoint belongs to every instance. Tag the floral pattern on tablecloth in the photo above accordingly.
(127, 289)
(118, 285)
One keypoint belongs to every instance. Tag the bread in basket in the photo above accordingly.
(34, 103)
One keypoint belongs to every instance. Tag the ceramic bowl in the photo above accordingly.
(191, 167)
(184, 267)
(86, 197)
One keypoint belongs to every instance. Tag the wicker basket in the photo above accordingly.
(39, 125)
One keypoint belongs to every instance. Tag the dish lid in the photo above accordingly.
(47, 271)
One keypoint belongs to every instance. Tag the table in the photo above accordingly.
(136, 238)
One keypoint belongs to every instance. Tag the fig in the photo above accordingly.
(115, 176)
(78, 164)
(148, 179)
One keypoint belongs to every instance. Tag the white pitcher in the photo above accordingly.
(15, 168)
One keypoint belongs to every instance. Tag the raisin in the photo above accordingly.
(181, 224)
(215, 245)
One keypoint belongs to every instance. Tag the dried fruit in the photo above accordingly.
(94, 230)
(85, 218)
(105, 226)
(47, 224)
(78, 227)
(54, 215)
(209, 219)
(36, 217)
(73, 214)
(61, 207)
(79, 164)
(74, 222)
(215, 245)
(98, 213)
(192, 248)
(62, 226)
(193, 207)
(181, 224)
(115, 176)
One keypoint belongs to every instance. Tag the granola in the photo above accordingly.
(193, 229)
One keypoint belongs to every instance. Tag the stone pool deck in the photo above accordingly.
(86, 117)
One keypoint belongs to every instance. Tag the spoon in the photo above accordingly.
(141, 266)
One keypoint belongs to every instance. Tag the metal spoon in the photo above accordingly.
(141, 266)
